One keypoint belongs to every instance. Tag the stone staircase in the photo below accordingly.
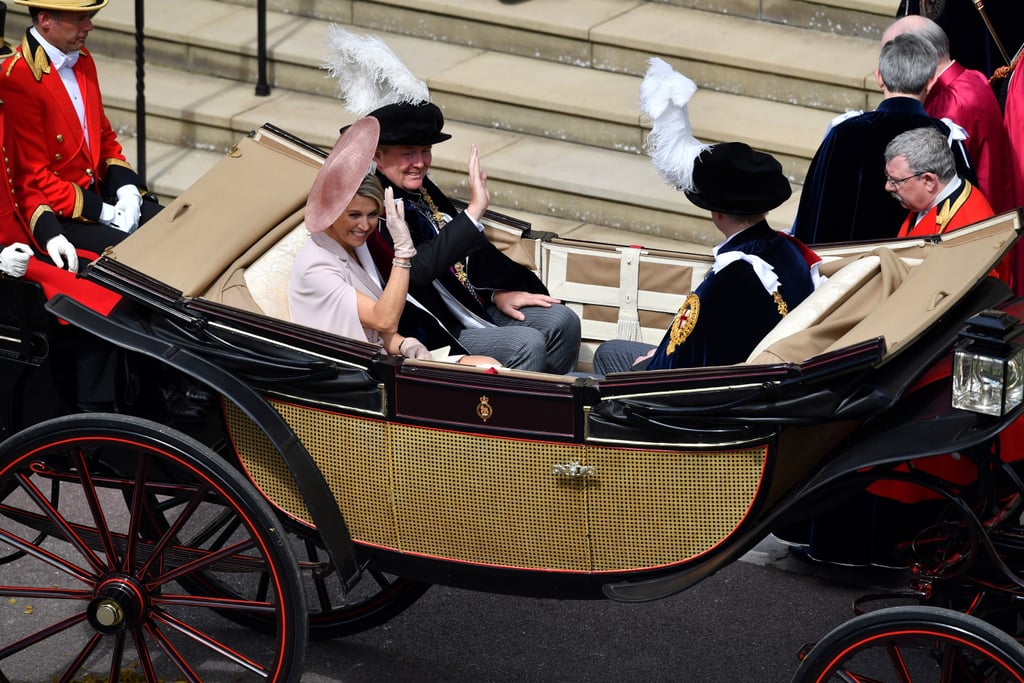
(547, 89)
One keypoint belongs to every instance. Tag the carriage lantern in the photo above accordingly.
(988, 364)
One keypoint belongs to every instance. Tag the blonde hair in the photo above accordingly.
(371, 187)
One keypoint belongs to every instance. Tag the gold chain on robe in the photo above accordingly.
(459, 267)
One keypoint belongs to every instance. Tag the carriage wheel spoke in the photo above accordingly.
(58, 519)
(80, 660)
(214, 645)
(135, 516)
(142, 651)
(41, 635)
(172, 653)
(172, 531)
(202, 562)
(98, 518)
(46, 557)
(209, 602)
(899, 664)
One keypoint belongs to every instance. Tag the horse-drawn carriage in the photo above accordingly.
(326, 485)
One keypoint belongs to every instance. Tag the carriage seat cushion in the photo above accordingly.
(821, 302)
(267, 277)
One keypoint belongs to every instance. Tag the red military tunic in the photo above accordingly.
(12, 229)
(965, 97)
(55, 168)
(965, 206)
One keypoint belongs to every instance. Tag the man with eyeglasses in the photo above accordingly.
(74, 188)
(843, 198)
(921, 175)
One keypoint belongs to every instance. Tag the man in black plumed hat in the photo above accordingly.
(758, 273)
(489, 303)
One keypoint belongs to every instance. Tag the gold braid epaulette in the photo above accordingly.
(10, 64)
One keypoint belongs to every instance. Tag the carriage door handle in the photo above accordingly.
(573, 469)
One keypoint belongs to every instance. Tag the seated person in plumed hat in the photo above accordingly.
(758, 274)
(334, 284)
(483, 300)
(486, 300)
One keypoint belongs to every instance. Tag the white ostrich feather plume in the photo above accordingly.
(664, 95)
(369, 74)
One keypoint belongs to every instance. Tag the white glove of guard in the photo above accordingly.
(60, 249)
(411, 347)
(394, 211)
(128, 208)
(108, 213)
(14, 259)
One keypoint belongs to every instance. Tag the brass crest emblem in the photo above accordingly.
(683, 323)
(483, 409)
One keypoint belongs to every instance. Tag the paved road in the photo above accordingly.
(744, 624)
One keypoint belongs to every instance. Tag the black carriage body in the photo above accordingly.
(631, 487)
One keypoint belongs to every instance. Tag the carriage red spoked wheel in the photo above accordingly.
(102, 598)
(914, 645)
(334, 612)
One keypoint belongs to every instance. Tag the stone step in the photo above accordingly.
(865, 18)
(559, 140)
(583, 183)
(172, 169)
(535, 97)
(724, 53)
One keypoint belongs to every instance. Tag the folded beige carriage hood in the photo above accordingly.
(909, 286)
(259, 185)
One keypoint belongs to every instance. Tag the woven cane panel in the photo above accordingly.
(654, 508)
(351, 454)
(489, 500)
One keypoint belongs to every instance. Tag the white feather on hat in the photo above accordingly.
(664, 94)
(369, 74)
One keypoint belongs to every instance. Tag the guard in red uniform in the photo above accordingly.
(74, 188)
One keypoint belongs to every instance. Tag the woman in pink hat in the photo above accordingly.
(334, 284)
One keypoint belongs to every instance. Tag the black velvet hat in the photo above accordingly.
(730, 177)
(410, 124)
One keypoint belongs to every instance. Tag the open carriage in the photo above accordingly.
(327, 486)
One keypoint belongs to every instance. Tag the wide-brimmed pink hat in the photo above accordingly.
(343, 171)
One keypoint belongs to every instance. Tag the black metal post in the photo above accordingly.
(140, 91)
(262, 86)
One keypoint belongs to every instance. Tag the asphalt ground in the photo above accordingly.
(746, 623)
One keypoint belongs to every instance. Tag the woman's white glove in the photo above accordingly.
(61, 250)
(14, 259)
(394, 212)
(411, 347)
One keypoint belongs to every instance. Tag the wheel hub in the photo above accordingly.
(119, 603)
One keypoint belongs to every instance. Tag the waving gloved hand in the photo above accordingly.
(14, 259)
(394, 211)
(128, 208)
(61, 250)
(411, 347)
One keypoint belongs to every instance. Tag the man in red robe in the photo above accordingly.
(921, 175)
(965, 97)
(1014, 122)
